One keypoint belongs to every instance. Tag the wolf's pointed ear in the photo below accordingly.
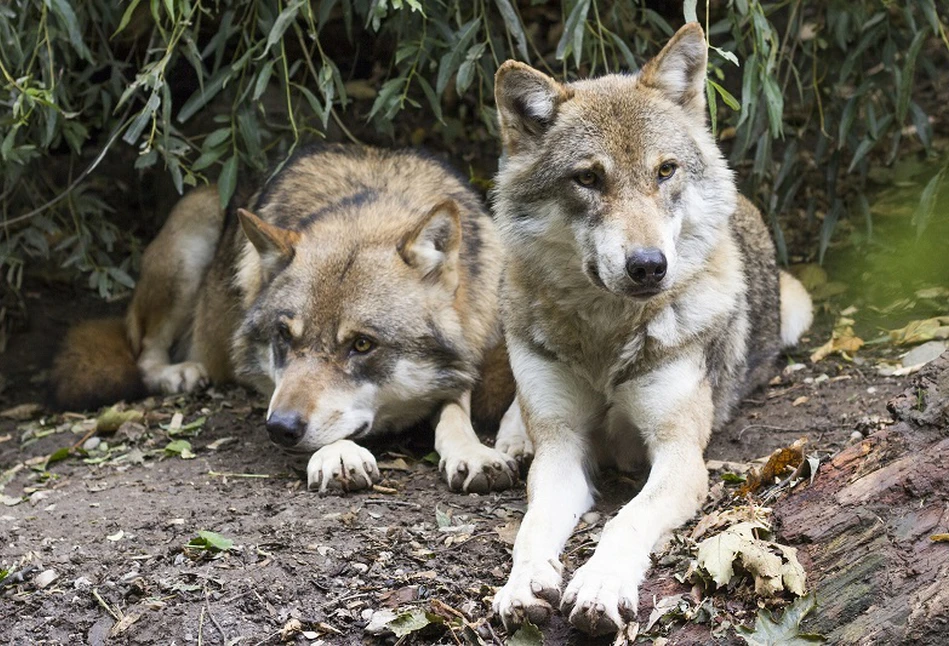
(434, 245)
(527, 103)
(274, 245)
(680, 68)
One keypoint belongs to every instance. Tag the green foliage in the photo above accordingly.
(203, 89)
(210, 541)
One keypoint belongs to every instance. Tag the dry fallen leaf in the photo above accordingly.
(922, 330)
(508, 531)
(842, 341)
(778, 463)
(718, 519)
(399, 596)
(774, 566)
(124, 624)
(22, 412)
(112, 418)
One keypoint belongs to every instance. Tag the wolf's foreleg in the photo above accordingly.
(469, 465)
(672, 407)
(559, 411)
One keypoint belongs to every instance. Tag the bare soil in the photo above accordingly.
(304, 568)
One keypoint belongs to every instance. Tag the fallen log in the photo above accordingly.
(869, 529)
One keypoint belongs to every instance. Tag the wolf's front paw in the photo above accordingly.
(341, 465)
(599, 599)
(530, 594)
(181, 377)
(479, 469)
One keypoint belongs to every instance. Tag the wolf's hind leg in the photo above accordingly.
(512, 436)
(162, 310)
(469, 465)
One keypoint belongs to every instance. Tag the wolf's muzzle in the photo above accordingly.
(286, 429)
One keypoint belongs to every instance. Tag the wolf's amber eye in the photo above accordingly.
(667, 170)
(587, 178)
(362, 345)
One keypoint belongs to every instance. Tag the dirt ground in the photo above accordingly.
(95, 542)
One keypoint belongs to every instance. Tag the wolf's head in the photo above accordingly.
(620, 172)
(353, 322)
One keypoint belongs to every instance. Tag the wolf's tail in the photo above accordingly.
(95, 366)
(796, 309)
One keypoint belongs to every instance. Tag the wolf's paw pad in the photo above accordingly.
(181, 377)
(598, 601)
(479, 469)
(530, 594)
(343, 465)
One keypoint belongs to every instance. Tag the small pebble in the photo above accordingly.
(81, 582)
(856, 436)
(590, 518)
(872, 390)
(91, 444)
(821, 378)
(362, 568)
(44, 578)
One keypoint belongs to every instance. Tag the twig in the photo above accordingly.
(108, 608)
(85, 437)
(384, 501)
(267, 638)
(454, 611)
(494, 635)
(771, 428)
(207, 605)
(339, 122)
(201, 627)
(340, 600)
(225, 474)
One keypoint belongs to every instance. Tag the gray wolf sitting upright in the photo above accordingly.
(640, 304)
(359, 291)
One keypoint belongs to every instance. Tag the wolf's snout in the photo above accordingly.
(646, 267)
(286, 429)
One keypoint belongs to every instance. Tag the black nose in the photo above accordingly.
(646, 267)
(285, 429)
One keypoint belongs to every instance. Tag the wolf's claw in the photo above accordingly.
(600, 601)
(479, 470)
(530, 594)
(341, 465)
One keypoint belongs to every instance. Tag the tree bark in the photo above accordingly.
(864, 527)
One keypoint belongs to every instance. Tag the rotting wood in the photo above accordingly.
(863, 527)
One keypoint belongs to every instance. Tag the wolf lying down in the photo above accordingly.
(641, 303)
(359, 290)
